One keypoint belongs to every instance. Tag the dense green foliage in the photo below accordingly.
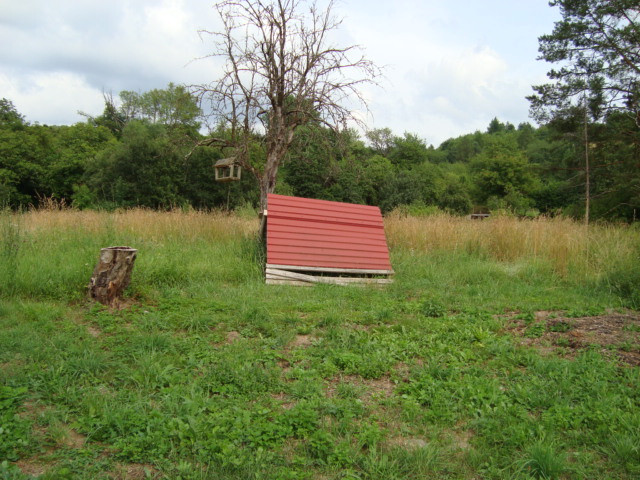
(595, 48)
(142, 154)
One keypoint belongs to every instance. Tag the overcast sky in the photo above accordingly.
(451, 66)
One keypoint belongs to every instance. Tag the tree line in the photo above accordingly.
(141, 151)
(280, 114)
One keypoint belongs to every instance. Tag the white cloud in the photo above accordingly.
(84, 49)
(451, 67)
(51, 98)
(444, 92)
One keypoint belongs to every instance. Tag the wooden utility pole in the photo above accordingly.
(586, 166)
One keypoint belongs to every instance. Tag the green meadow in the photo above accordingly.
(504, 349)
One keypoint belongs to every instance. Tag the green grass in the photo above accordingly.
(210, 374)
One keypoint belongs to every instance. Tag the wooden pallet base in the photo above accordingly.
(278, 276)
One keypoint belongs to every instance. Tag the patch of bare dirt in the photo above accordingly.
(380, 387)
(617, 335)
(124, 303)
(33, 466)
(301, 341)
(362, 328)
(135, 471)
(31, 409)
(372, 389)
(232, 336)
(93, 331)
(286, 402)
(284, 364)
(404, 369)
(408, 443)
(461, 438)
(71, 439)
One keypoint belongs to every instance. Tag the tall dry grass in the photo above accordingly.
(51, 252)
(568, 245)
(149, 224)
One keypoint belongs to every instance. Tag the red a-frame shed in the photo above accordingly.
(318, 241)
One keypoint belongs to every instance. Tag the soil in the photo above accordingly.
(408, 443)
(616, 335)
(93, 331)
(301, 341)
(372, 389)
(232, 336)
(135, 471)
(32, 466)
(73, 439)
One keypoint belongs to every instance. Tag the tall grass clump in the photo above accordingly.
(174, 248)
(543, 461)
(10, 240)
(571, 248)
(623, 278)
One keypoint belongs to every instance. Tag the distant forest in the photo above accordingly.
(141, 152)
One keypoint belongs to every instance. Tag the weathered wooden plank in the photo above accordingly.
(292, 275)
(276, 274)
(340, 281)
(285, 281)
(271, 281)
(330, 269)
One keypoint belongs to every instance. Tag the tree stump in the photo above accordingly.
(112, 274)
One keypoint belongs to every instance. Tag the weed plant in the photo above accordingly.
(10, 243)
(211, 374)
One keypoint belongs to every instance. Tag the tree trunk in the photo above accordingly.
(268, 180)
(276, 152)
(112, 274)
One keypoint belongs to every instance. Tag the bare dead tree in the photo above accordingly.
(281, 71)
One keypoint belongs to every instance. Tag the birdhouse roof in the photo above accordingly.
(225, 162)
(325, 236)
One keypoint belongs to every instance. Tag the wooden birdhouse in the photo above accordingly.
(227, 170)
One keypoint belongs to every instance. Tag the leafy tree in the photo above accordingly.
(200, 189)
(382, 140)
(378, 171)
(616, 156)
(463, 148)
(143, 169)
(308, 169)
(347, 181)
(11, 123)
(9, 115)
(455, 195)
(173, 106)
(25, 151)
(73, 148)
(596, 46)
(503, 172)
(526, 134)
(495, 126)
(112, 118)
(404, 188)
(408, 150)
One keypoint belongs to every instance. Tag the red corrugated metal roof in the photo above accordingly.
(318, 233)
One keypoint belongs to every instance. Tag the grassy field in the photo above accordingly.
(504, 349)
